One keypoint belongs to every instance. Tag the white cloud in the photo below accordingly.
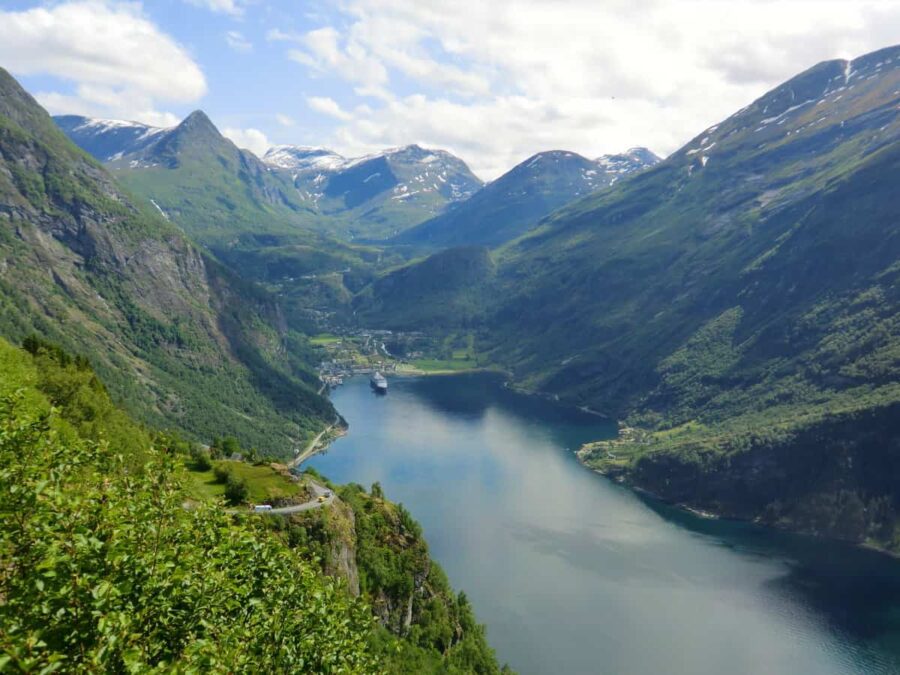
(328, 106)
(250, 139)
(498, 81)
(120, 63)
(324, 51)
(238, 42)
(230, 7)
(82, 104)
(284, 120)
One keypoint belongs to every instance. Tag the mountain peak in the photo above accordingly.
(197, 120)
(643, 154)
(16, 103)
(823, 105)
(513, 203)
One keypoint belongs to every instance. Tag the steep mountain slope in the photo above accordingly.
(449, 288)
(378, 195)
(179, 341)
(741, 298)
(213, 189)
(247, 214)
(509, 206)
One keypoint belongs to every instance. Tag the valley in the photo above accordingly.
(717, 329)
(676, 295)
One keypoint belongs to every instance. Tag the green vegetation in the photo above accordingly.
(447, 290)
(180, 341)
(105, 570)
(425, 626)
(264, 483)
(324, 339)
(441, 366)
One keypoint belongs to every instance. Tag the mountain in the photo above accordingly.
(737, 305)
(195, 176)
(247, 214)
(446, 289)
(303, 158)
(107, 139)
(368, 197)
(378, 195)
(213, 189)
(509, 206)
(179, 341)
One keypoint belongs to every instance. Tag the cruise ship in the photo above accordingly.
(378, 382)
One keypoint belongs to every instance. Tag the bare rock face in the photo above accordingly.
(342, 557)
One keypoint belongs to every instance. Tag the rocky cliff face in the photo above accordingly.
(180, 341)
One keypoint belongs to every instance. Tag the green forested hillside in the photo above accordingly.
(762, 243)
(247, 214)
(739, 297)
(179, 340)
(109, 564)
(449, 288)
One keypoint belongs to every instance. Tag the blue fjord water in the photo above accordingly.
(574, 574)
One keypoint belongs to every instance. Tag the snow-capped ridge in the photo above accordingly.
(302, 157)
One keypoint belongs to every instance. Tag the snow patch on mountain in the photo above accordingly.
(302, 158)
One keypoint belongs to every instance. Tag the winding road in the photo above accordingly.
(314, 503)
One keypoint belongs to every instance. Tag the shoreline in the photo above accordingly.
(712, 515)
(413, 371)
(314, 447)
(621, 480)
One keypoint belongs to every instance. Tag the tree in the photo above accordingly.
(222, 473)
(236, 490)
(200, 459)
(230, 446)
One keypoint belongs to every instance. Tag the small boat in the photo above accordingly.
(378, 382)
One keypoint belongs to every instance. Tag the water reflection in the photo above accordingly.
(573, 574)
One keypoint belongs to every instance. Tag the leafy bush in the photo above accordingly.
(103, 570)
(236, 490)
(200, 460)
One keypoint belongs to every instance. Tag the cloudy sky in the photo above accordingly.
(493, 82)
